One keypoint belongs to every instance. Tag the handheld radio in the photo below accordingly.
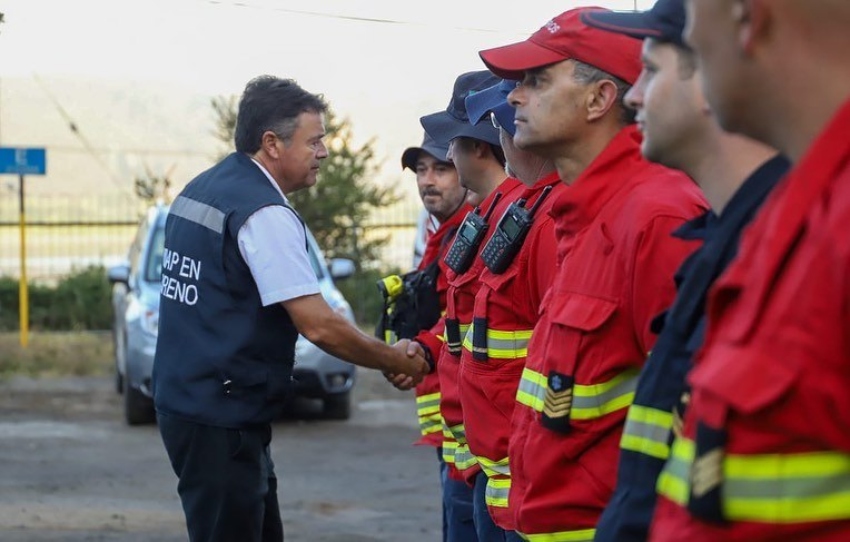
(468, 238)
(510, 233)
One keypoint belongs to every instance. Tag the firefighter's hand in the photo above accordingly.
(416, 362)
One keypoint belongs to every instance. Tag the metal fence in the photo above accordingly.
(68, 233)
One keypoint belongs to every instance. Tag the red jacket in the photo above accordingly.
(506, 308)
(459, 300)
(614, 226)
(428, 391)
(767, 430)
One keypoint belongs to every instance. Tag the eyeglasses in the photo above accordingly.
(494, 121)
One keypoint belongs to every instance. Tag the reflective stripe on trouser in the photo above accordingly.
(498, 481)
(428, 411)
(499, 344)
(770, 488)
(589, 401)
(647, 431)
(583, 535)
(455, 449)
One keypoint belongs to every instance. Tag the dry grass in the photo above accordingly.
(56, 354)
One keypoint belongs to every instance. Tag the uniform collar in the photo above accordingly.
(596, 186)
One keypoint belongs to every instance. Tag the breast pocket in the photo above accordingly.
(578, 320)
(576, 350)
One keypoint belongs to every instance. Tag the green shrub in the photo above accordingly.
(361, 291)
(79, 301)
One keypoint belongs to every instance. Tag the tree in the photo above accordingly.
(339, 205)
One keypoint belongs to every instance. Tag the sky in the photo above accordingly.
(380, 63)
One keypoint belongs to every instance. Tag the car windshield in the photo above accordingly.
(153, 265)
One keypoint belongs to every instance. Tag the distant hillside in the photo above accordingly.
(122, 128)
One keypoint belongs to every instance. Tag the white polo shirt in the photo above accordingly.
(273, 243)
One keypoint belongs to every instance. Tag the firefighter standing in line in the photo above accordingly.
(520, 263)
(765, 451)
(479, 160)
(613, 225)
(736, 173)
(444, 199)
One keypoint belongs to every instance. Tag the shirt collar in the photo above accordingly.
(271, 180)
(604, 177)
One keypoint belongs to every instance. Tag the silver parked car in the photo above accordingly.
(135, 300)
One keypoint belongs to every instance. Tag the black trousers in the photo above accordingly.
(226, 481)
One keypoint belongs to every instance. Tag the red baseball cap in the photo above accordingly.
(567, 37)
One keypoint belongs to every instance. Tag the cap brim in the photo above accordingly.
(443, 127)
(633, 24)
(480, 104)
(511, 61)
(411, 155)
(505, 115)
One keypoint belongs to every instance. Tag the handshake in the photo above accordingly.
(410, 368)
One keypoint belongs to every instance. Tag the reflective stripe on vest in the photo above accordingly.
(584, 535)
(589, 401)
(500, 344)
(428, 410)
(496, 492)
(771, 488)
(647, 431)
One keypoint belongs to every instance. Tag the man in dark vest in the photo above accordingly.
(237, 289)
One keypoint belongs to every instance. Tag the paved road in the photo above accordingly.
(70, 470)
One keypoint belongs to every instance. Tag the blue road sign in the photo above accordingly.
(23, 161)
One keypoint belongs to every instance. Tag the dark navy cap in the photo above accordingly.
(454, 121)
(411, 154)
(495, 99)
(664, 22)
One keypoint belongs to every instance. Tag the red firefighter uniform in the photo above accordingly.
(765, 451)
(428, 391)
(613, 226)
(494, 349)
(459, 300)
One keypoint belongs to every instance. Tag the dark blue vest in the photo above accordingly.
(221, 358)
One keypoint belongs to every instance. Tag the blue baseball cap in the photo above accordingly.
(454, 121)
(493, 99)
(664, 22)
(411, 154)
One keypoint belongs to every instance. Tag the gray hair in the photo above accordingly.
(587, 75)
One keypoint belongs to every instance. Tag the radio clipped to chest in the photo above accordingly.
(510, 234)
(468, 239)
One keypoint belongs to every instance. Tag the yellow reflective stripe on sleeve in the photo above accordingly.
(456, 432)
(496, 492)
(673, 480)
(428, 411)
(584, 535)
(589, 401)
(449, 450)
(502, 344)
(493, 468)
(647, 431)
(770, 488)
(464, 458)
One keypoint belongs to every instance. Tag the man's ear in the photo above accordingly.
(269, 144)
(601, 97)
(753, 21)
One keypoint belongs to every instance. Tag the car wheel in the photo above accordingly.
(338, 407)
(138, 408)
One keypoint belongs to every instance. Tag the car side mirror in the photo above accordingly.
(119, 273)
(342, 268)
